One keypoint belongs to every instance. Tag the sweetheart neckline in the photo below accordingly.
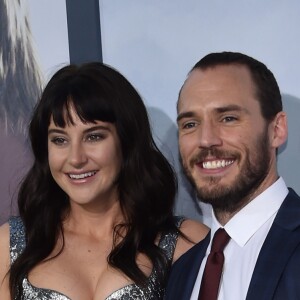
(68, 298)
(35, 288)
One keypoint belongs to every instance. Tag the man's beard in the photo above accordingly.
(230, 198)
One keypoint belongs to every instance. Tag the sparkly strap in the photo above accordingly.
(17, 237)
(168, 241)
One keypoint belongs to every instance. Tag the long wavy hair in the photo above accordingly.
(146, 183)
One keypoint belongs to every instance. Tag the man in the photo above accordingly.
(230, 124)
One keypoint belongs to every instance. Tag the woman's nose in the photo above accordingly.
(77, 155)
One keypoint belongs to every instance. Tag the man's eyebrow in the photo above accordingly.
(222, 109)
(231, 107)
(187, 114)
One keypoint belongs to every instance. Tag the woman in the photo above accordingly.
(96, 207)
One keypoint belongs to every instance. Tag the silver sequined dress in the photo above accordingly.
(153, 291)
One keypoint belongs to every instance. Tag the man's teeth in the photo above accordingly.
(82, 176)
(215, 164)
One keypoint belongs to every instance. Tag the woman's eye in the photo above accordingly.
(94, 137)
(58, 141)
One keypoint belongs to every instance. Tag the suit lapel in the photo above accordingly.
(195, 266)
(280, 243)
(187, 268)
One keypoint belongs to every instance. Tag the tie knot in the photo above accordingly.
(220, 240)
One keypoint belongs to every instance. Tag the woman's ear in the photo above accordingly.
(279, 130)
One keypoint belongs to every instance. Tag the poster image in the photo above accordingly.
(23, 72)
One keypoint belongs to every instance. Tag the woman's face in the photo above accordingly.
(85, 160)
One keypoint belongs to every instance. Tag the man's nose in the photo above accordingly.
(209, 135)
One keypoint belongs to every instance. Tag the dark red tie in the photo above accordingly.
(214, 265)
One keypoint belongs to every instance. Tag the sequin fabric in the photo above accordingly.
(152, 291)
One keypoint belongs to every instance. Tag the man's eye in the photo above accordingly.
(188, 125)
(229, 119)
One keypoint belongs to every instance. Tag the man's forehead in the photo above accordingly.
(223, 84)
(218, 72)
(211, 78)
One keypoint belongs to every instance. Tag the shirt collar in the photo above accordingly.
(250, 218)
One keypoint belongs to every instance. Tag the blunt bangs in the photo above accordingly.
(89, 98)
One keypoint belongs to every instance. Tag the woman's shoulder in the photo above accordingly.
(193, 232)
(4, 257)
(4, 232)
(4, 241)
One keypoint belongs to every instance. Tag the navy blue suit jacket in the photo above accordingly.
(276, 274)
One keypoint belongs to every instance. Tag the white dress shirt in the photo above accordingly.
(248, 230)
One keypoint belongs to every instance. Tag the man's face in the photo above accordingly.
(224, 140)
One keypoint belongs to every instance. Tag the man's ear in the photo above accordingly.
(279, 130)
